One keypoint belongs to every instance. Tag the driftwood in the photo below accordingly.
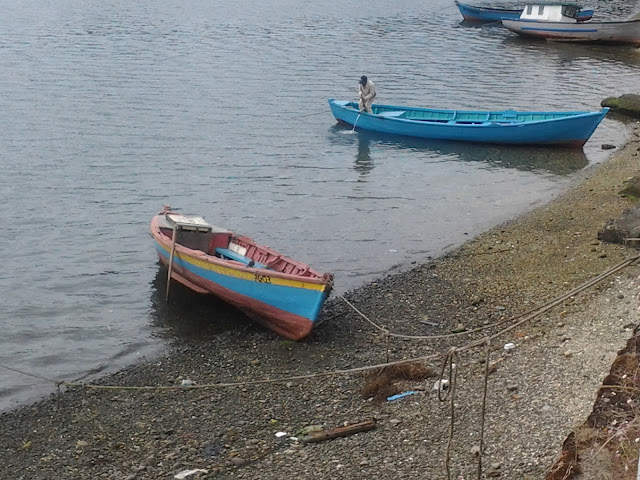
(345, 431)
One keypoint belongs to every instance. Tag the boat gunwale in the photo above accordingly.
(479, 124)
(478, 13)
(576, 24)
(487, 9)
(165, 241)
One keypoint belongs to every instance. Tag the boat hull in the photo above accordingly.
(473, 13)
(620, 33)
(286, 304)
(508, 127)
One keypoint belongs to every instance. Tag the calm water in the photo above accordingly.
(112, 109)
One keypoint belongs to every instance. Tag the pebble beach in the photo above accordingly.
(510, 320)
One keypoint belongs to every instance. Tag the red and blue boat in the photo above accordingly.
(282, 294)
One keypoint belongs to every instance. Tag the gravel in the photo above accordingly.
(537, 391)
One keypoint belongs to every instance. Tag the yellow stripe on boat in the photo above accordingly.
(243, 275)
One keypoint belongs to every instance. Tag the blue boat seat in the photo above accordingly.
(508, 117)
(228, 254)
(394, 113)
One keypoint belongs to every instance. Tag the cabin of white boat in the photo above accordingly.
(551, 12)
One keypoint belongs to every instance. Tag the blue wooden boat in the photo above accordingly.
(281, 293)
(477, 13)
(501, 127)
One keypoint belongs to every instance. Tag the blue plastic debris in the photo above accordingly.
(400, 395)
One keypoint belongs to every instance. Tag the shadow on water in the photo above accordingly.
(189, 315)
(479, 24)
(569, 53)
(557, 161)
(363, 163)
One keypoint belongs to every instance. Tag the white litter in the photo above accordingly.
(441, 386)
(186, 473)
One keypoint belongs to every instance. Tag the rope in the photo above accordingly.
(464, 348)
(419, 337)
(532, 313)
(32, 375)
(554, 303)
(312, 113)
(374, 324)
(452, 355)
(388, 344)
(173, 249)
(256, 382)
(449, 392)
(487, 357)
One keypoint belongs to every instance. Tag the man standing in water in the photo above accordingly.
(367, 91)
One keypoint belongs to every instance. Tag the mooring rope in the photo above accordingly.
(532, 313)
(256, 382)
(486, 341)
(450, 359)
(487, 357)
(463, 348)
(443, 394)
(55, 382)
(174, 236)
(312, 113)
(557, 301)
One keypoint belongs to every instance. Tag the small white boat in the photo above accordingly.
(560, 23)
(543, 12)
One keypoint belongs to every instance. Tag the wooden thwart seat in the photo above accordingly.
(394, 113)
(228, 254)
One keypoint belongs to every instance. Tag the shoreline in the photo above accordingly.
(537, 392)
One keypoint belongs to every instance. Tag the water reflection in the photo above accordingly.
(189, 315)
(571, 53)
(479, 24)
(557, 161)
(363, 164)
